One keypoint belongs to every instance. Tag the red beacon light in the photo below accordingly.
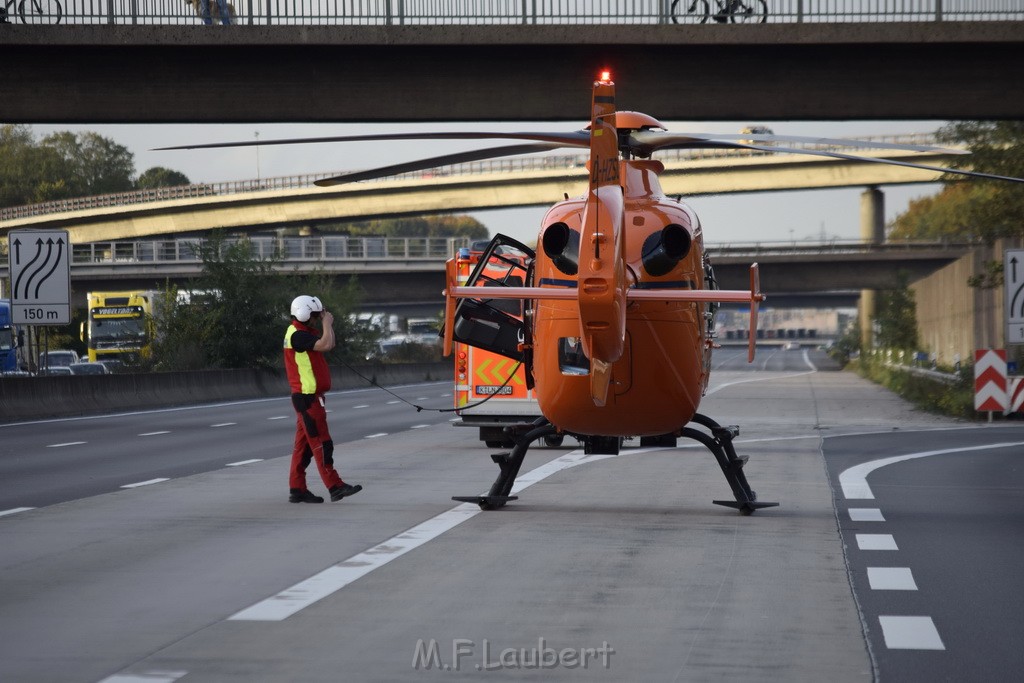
(605, 77)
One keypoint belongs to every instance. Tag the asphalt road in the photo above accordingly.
(606, 568)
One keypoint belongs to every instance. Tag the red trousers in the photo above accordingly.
(312, 442)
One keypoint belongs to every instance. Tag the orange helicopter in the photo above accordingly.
(619, 298)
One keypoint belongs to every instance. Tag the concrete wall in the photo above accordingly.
(25, 398)
(953, 318)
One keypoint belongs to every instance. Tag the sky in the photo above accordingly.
(760, 217)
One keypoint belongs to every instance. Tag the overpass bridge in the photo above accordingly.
(261, 205)
(490, 60)
(410, 271)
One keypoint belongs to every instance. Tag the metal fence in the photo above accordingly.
(555, 12)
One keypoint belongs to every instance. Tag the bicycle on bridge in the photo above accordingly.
(33, 11)
(729, 11)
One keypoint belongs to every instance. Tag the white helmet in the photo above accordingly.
(304, 306)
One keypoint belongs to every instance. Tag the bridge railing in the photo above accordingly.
(523, 164)
(555, 12)
(287, 249)
(343, 248)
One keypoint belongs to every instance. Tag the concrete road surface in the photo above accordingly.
(606, 568)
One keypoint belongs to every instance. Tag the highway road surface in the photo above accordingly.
(160, 546)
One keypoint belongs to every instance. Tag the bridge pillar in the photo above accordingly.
(872, 231)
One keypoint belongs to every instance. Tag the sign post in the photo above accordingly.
(40, 268)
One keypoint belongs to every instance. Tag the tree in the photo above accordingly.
(982, 210)
(419, 226)
(158, 176)
(897, 316)
(93, 164)
(235, 313)
(28, 173)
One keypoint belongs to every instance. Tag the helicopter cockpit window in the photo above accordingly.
(571, 359)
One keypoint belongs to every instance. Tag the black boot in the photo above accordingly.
(343, 490)
(303, 496)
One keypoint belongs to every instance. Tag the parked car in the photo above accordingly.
(56, 370)
(89, 369)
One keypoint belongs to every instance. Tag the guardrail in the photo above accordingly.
(529, 12)
(525, 164)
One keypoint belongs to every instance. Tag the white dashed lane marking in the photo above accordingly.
(891, 579)
(69, 443)
(910, 633)
(157, 676)
(278, 417)
(375, 436)
(224, 424)
(866, 515)
(154, 433)
(360, 407)
(876, 542)
(144, 483)
(14, 511)
(243, 462)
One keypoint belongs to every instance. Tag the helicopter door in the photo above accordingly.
(495, 324)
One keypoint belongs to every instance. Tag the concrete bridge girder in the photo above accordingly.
(805, 71)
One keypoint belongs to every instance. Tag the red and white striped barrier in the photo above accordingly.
(1015, 395)
(990, 379)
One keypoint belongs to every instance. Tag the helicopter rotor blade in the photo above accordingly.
(872, 160)
(643, 142)
(433, 162)
(568, 139)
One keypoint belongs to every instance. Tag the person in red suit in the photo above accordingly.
(309, 379)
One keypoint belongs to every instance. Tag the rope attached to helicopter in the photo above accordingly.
(419, 408)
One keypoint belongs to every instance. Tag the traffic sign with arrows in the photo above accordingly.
(1013, 277)
(40, 269)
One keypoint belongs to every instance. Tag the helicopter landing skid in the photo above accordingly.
(509, 464)
(719, 442)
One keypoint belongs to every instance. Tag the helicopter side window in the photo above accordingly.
(571, 359)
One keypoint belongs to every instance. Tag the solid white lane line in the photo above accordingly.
(154, 433)
(243, 462)
(62, 445)
(756, 379)
(14, 511)
(876, 542)
(375, 436)
(866, 515)
(144, 483)
(910, 633)
(155, 676)
(807, 359)
(891, 579)
(224, 424)
(854, 479)
(336, 577)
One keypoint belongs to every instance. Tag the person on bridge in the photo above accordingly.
(309, 379)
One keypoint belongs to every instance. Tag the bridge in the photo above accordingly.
(438, 60)
(270, 203)
(411, 270)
